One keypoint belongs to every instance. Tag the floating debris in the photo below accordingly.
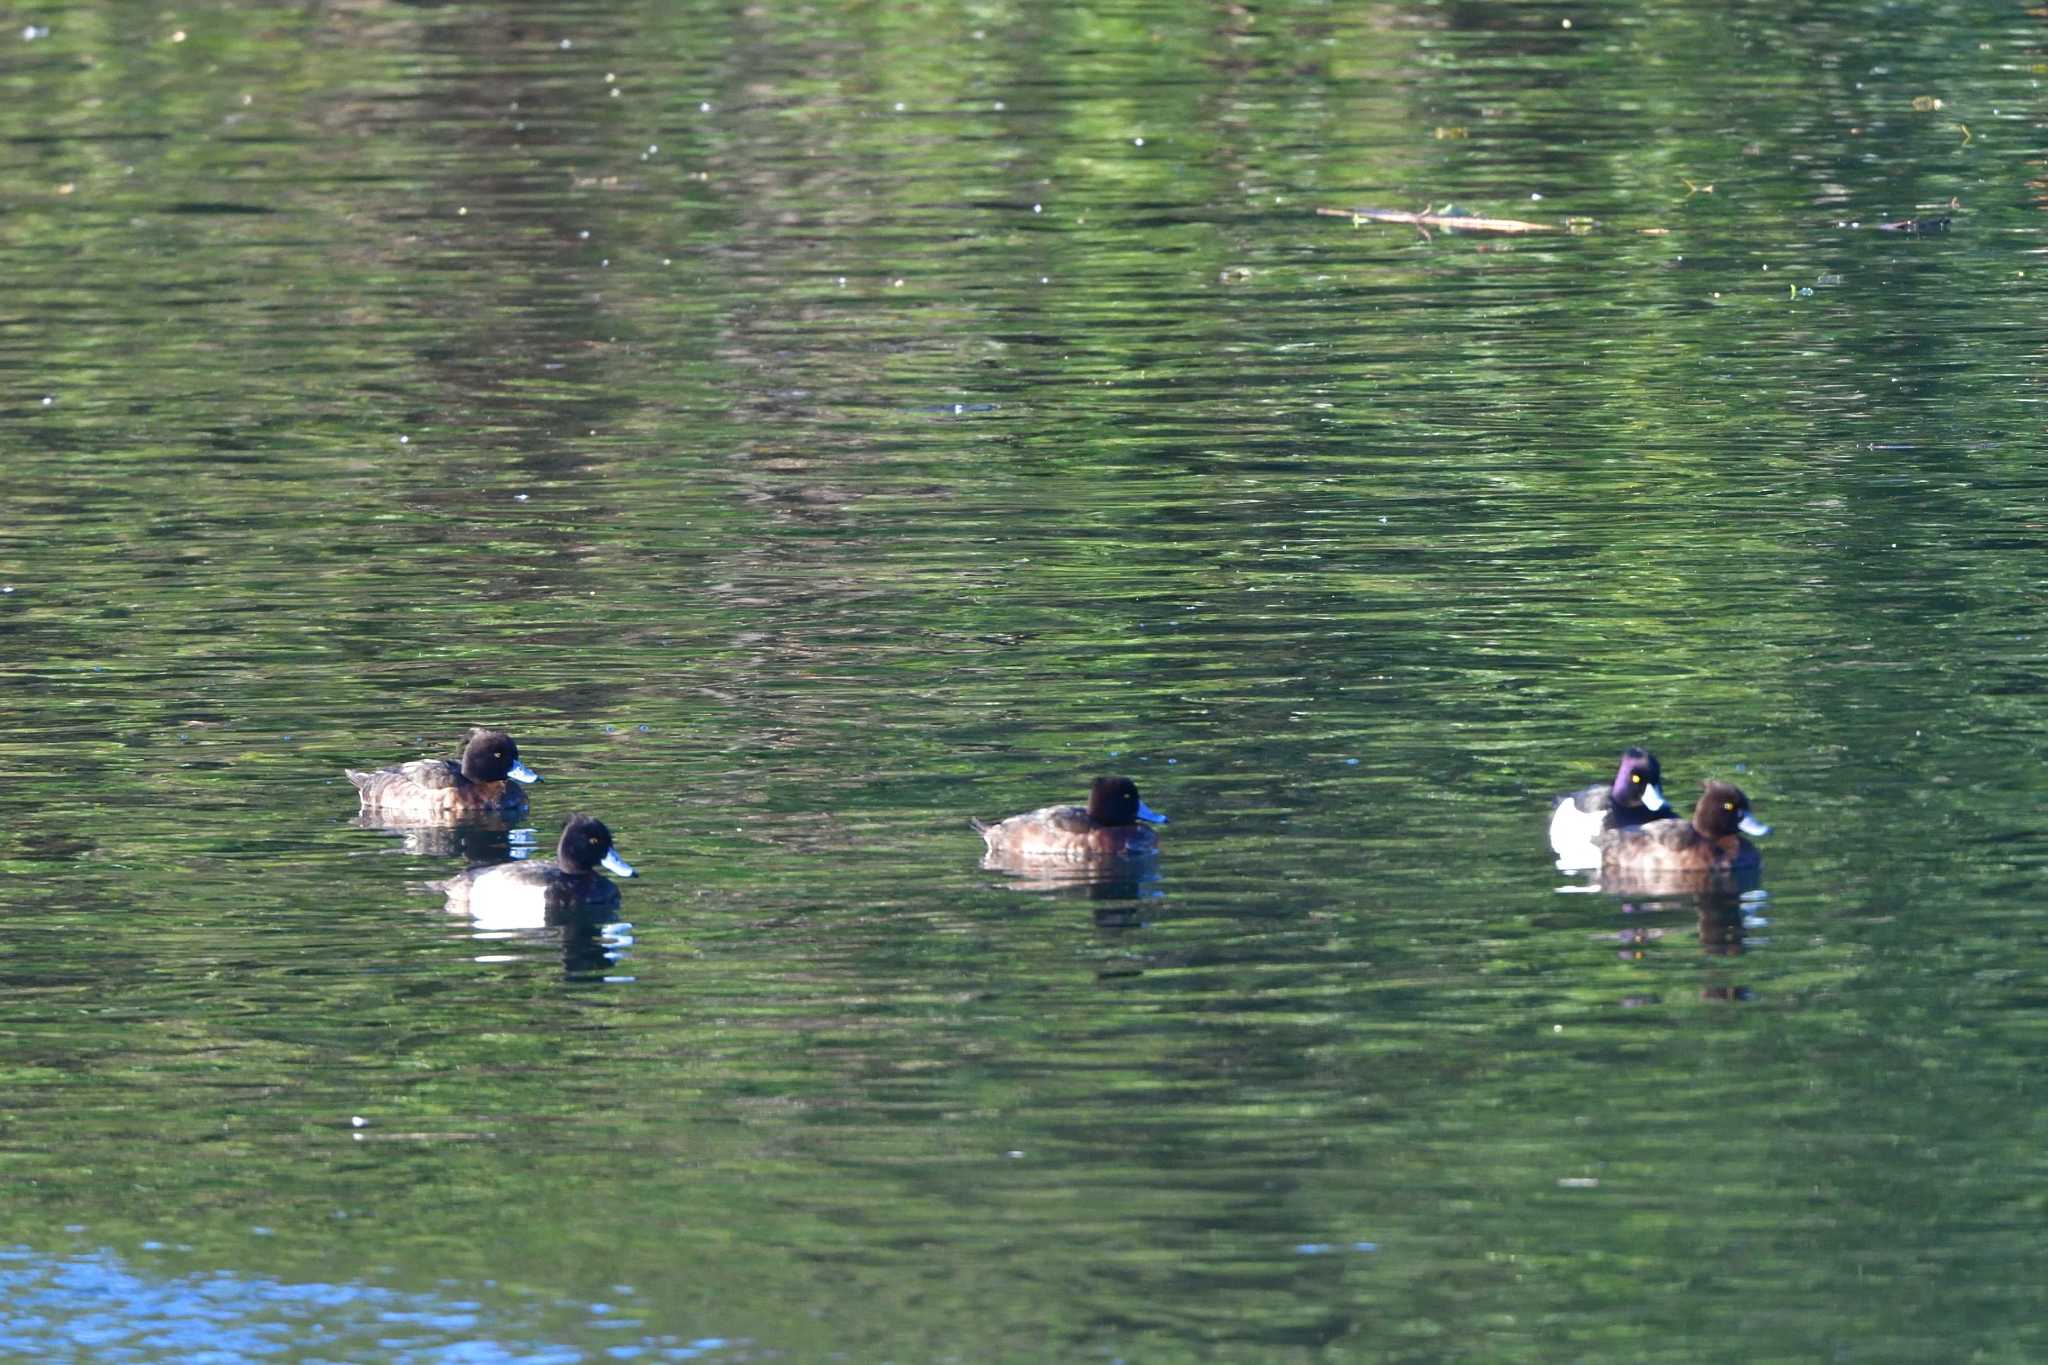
(1452, 221)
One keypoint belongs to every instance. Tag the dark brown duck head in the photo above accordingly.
(586, 846)
(1723, 810)
(1115, 801)
(491, 756)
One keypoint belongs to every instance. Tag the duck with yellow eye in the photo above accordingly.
(1706, 853)
(1635, 798)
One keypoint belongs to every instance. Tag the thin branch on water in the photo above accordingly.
(1450, 222)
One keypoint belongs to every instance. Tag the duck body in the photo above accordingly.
(1110, 826)
(1707, 852)
(1634, 799)
(486, 776)
(534, 892)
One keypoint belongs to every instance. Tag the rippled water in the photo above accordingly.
(806, 429)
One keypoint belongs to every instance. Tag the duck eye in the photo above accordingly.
(1728, 805)
(1636, 778)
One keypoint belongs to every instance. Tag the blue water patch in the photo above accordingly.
(94, 1306)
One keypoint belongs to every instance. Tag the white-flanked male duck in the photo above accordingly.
(536, 892)
(1635, 798)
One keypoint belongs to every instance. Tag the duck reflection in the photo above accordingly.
(488, 838)
(1722, 922)
(1720, 917)
(1722, 926)
(591, 943)
(1123, 879)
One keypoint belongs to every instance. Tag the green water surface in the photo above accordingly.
(808, 427)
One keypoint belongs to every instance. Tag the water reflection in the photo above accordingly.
(1121, 879)
(98, 1305)
(1722, 926)
(482, 839)
(591, 943)
(1720, 915)
(1721, 921)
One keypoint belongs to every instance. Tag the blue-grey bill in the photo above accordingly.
(1654, 799)
(613, 863)
(1145, 812)
(1753, 827)
(521, 773)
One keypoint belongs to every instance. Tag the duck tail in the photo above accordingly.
(980, 826)
(361, 780)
